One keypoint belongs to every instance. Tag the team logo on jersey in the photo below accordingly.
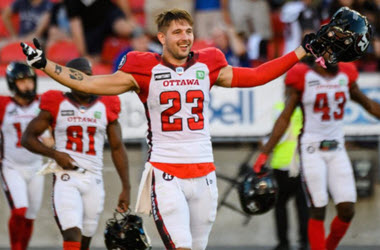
(67, 112)
(65, 177)
(122, 62)
(342, 82)
(162, 76)
(82, 109)
(313, 83)
(167, 177)
(179, 70)
(98, 114)
(200, 74)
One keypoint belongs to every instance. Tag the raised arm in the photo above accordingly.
(280, 126)
(113, 84)
(251, 77)
(358, 96)
(120, 160)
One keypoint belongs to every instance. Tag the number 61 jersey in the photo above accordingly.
(323, 100)
(80, 130)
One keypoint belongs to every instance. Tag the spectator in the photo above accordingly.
(154, 7)
(249, 17)
(231, 45)
(140, 42)
(252, 20)
(59, 27)
(34, 18)
(91, 21)
(208, 14)
(299, 18)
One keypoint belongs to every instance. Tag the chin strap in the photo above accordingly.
(320, 60)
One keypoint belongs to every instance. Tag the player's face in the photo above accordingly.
(25, 85)
(177, 40)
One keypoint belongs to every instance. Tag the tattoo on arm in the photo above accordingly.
(76, 75)
(58, 69)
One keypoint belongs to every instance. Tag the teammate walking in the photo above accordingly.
(323, 94)
(179, 183)
(80, 124)
(22, 186)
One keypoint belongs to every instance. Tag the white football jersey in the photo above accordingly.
(80, 130)
(14, 119)
(176, 100)
(323, 100)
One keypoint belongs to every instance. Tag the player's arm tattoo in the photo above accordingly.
(76, 75)
(58, 69)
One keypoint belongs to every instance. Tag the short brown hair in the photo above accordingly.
(164, 19)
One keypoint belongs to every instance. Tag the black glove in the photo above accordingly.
(312, 45)
(35, 57)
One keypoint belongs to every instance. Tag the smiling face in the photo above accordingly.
(177, 40)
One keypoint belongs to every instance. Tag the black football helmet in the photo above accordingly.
(20, 70)
(125, 232)
(346, 37)
(258, 193)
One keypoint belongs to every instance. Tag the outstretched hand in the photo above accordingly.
(312, 45)
(34, 57)
(260, 163)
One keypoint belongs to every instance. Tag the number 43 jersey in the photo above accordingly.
(323, 100)
(176, 100)
(80, 130)
(14, 119)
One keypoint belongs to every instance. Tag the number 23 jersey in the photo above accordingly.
(176, 100)
(80, 130)
(323, 100)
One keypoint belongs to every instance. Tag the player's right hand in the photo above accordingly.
(312, 45)
(65, 161)
(34, 57)
(260, 163)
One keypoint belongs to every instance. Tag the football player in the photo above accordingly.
(80, 124)
(179, 182)
(22, 186)
(323, 94)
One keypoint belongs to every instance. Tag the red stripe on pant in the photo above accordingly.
(52, 202)
(165, 236)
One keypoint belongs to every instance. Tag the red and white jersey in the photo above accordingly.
(80, 130)
(176, 100)
(14, 119)
(323, 100)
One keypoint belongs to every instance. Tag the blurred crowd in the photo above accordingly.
(249, 32)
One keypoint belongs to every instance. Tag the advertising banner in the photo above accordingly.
(238, 112)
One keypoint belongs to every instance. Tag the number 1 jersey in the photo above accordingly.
(80, 130)
(14, 119)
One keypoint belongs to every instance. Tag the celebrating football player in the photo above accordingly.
(179, 182)
(80, 124)
(323, 94)
(22, 186)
